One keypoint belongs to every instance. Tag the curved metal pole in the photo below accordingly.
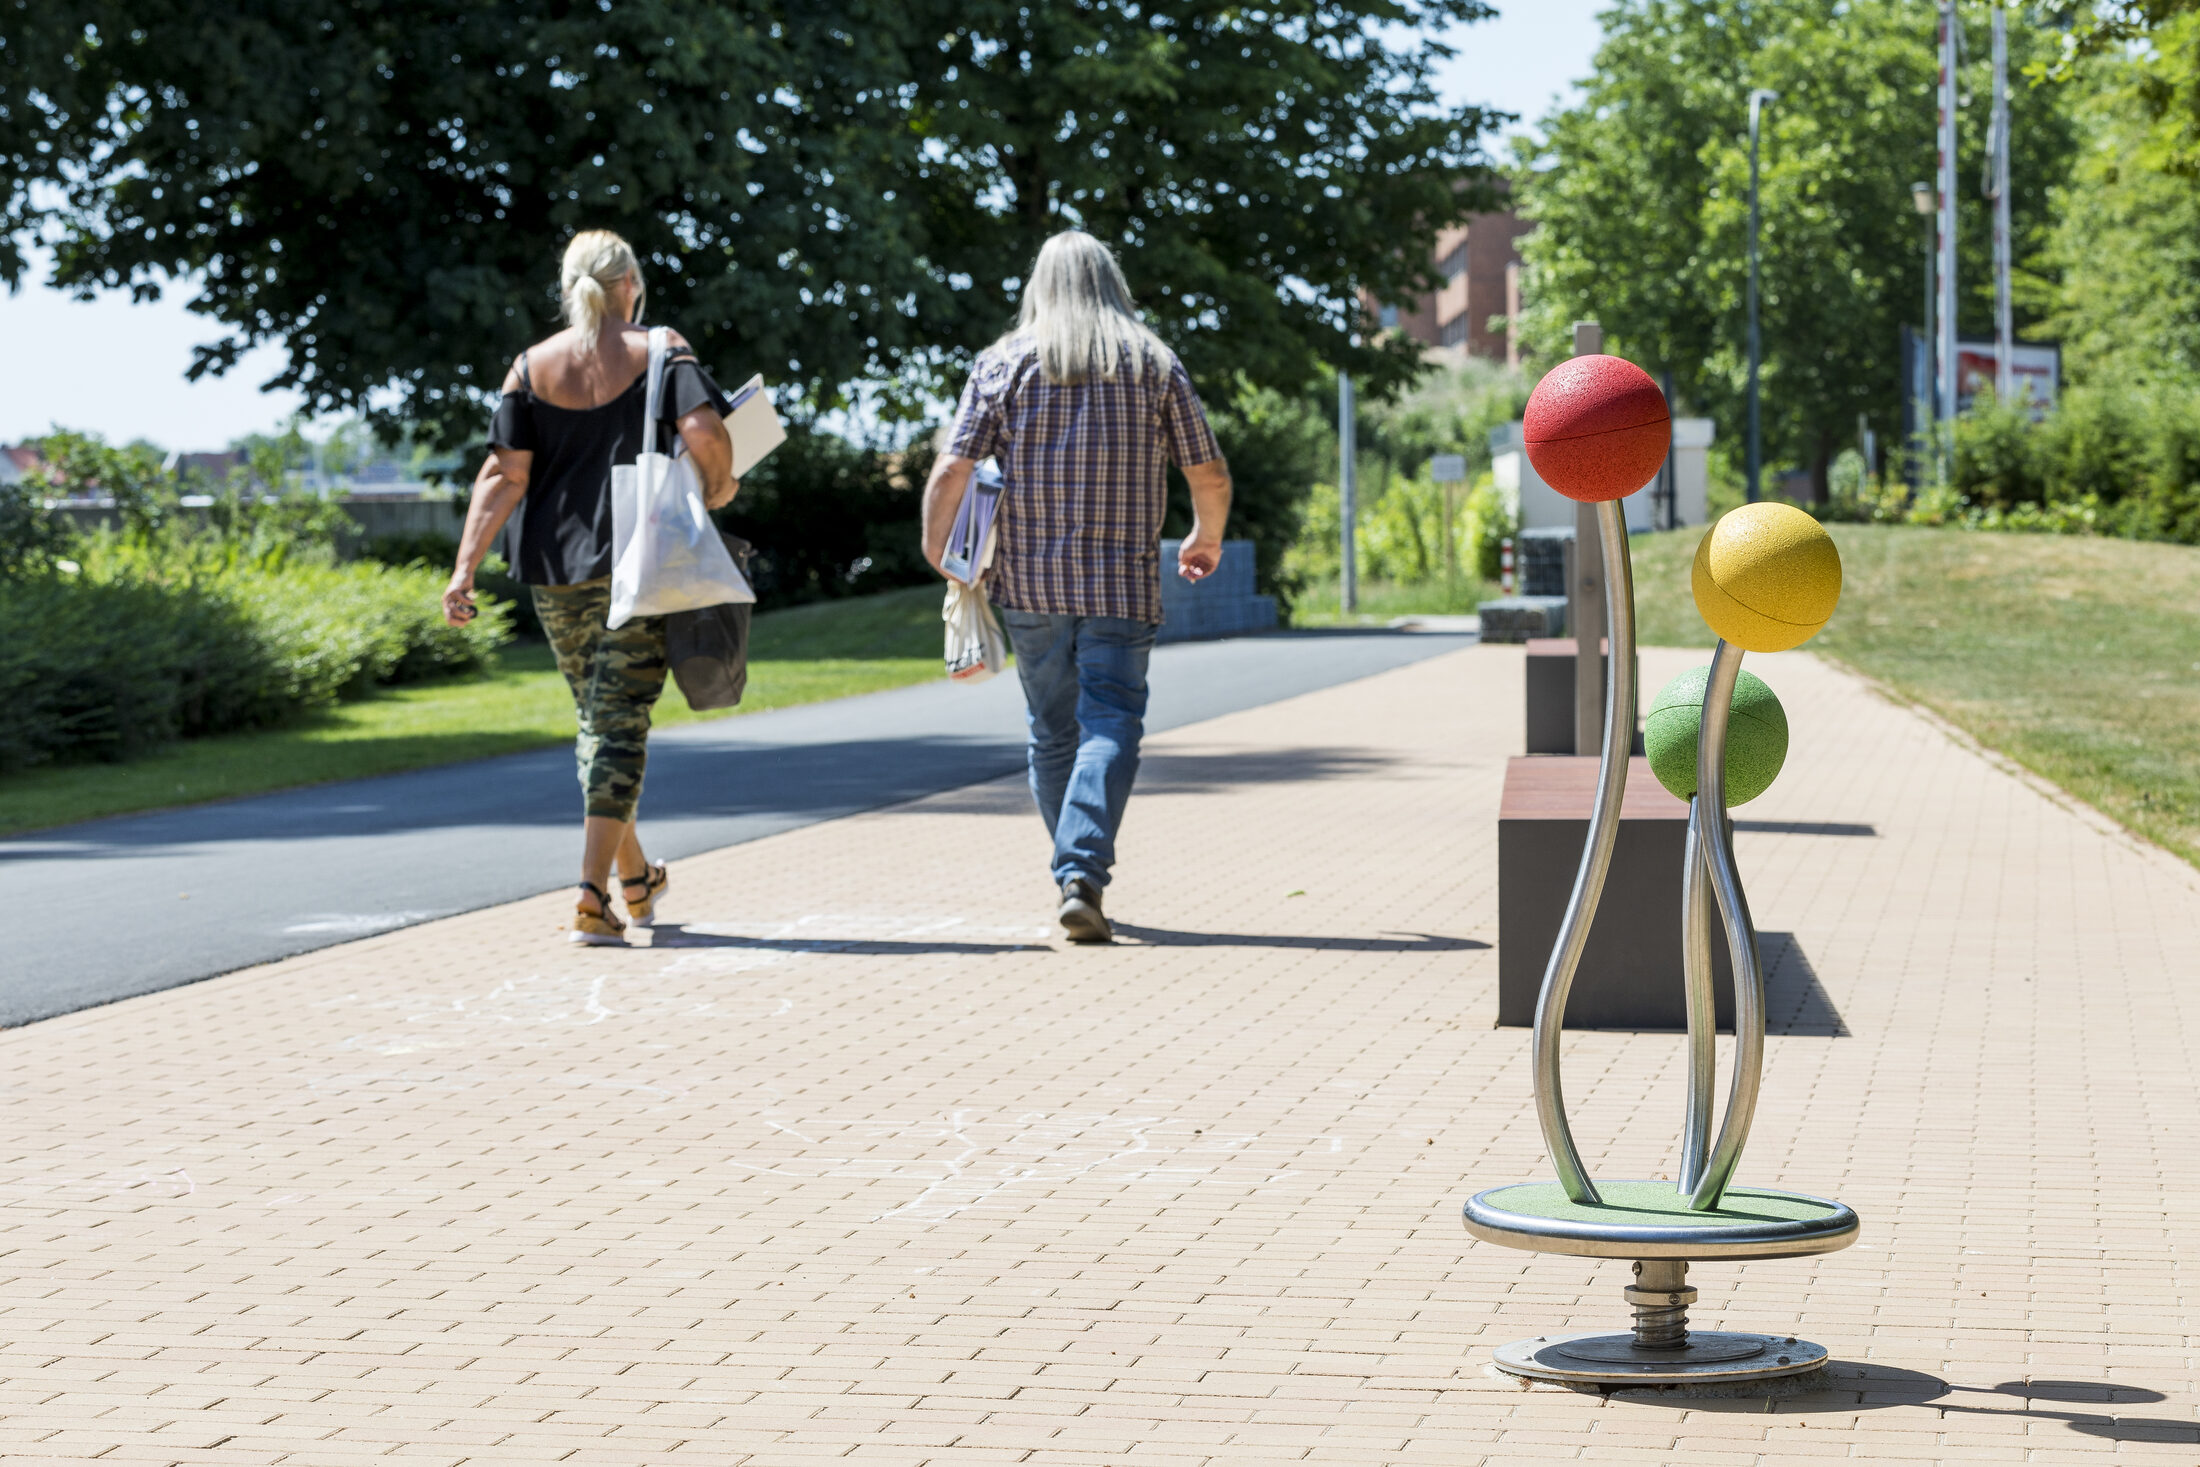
(1596, 854)
(1741, 934)
(1703, 1015)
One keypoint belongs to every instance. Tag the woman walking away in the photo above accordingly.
(572, 410)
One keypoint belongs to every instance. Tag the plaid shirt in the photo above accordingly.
(1086, 470)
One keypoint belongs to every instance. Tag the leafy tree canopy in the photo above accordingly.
(2125, 247)
(825, 192)
(1641, 193)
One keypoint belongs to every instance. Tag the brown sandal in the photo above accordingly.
(599, 928)
(652, 881)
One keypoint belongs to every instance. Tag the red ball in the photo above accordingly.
(1597, 428)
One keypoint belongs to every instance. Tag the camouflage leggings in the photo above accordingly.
(616, 677)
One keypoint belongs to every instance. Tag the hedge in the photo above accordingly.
(123, 653)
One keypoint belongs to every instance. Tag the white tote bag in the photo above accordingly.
(665, 553)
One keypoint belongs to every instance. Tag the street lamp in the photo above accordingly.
(1757, 101)
(1928, 416)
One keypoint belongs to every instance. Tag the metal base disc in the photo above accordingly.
(1711, 1357)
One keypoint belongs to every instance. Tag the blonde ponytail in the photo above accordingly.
(596, 263)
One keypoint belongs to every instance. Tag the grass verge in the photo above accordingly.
(2077, 657)
(1381, 602)
(806, 655)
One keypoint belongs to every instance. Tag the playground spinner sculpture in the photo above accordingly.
(1766, 578)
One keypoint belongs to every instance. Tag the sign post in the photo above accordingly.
(1348, 494)
(1449, 471)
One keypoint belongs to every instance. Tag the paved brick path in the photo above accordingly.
(857, 1164)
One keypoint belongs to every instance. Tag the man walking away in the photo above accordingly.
(1085, 409)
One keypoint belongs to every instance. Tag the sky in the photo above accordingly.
(117, 368)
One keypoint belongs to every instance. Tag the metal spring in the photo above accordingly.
(1661, 1326)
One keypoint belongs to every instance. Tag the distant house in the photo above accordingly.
(16, 462)
(211, 469)
(1480, 263)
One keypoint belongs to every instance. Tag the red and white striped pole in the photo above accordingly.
(1505, 579)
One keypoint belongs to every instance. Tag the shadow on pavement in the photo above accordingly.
(1192, 774)
(1849, 1385)
(687, 782)
(670, 934)
(1176, 774)
(1413, 942)
(1796, 1002)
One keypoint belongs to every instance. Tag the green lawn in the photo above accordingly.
(806, 655)
(2079, 658)
(1381, 602)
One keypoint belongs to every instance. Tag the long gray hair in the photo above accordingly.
(1078, 308)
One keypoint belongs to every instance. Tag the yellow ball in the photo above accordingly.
(1767, 577)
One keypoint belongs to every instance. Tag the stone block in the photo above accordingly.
(1551, 694)
(1630, 974)
(1522, 618)
(1225, 604)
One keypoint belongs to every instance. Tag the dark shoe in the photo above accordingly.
(1080, 914)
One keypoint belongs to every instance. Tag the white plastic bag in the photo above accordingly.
(976, 650)
(665, 553)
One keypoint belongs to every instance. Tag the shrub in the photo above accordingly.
(830, 518)
(161, 630)
(102, 670)
(437, 553)
(2109, 459)
(32, 538)
(1488, 524)
(136, 650)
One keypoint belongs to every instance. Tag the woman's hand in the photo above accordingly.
(458, 601)
(721, 495)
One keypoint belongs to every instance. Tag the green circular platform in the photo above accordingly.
(1653, 1220)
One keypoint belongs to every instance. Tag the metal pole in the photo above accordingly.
(1668, 515)
(1586, 609)
(1929, 423)
(1348, 491)
(1757, 100)
(2005, 332)
(1703, 1016)
(1585, 599)
(1596, 858)
(1715, 840)
(1950, 39)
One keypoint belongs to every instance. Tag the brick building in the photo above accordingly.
(1480, 263)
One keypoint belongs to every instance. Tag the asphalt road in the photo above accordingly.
(140, 903)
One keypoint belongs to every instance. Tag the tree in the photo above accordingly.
(1255, 165)
(1641, 195)
(823, 191)
(2125, 248)
(132, 478)
(384, 185)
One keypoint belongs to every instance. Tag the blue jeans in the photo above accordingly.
(1084, 683)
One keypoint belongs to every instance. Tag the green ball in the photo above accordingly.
(1756, 736)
